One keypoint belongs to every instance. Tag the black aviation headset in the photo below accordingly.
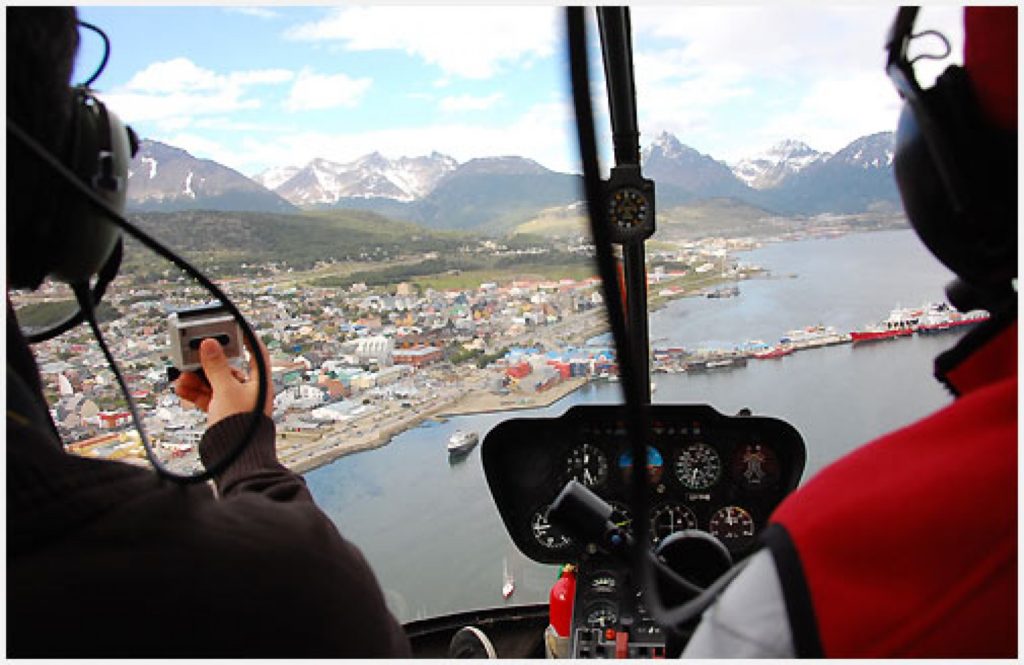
(84, 243)
(98, 151)
(957, 175)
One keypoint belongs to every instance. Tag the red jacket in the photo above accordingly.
(908, 546)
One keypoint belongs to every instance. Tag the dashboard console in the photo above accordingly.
(723, 475)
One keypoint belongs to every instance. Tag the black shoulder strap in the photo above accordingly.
(799, 608)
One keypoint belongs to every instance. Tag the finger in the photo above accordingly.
(215, 364)
(253, 366)
(268, 405)
(195, 391)
(190, 383)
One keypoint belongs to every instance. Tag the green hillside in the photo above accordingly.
(714, 217)
(222, 241)
(557, 222)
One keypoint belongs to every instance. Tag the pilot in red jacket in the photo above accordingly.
(907, 547)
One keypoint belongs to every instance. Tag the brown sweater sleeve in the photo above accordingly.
(336, 584)
(256, 469)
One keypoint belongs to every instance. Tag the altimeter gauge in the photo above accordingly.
(587, 464)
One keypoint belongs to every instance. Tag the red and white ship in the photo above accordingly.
(901, 323)
(941, 317)
(774, 352)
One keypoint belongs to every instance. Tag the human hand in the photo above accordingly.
(226, 391)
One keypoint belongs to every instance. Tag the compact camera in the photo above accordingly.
(188, 327)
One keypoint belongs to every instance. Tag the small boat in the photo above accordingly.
(774, 352)
(508, 584)
(462, 441)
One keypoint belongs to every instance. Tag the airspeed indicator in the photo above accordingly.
(698, 466)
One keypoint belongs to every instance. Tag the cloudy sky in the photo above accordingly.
(257, 87)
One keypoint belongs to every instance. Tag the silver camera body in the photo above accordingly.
(188, 327)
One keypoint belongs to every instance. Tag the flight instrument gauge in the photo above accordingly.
(756, 467)
(655, 465)
(603, 582)
(546, 533)
(732, 525)
(670, 518)
(587, 464)
(698, 466)
(630, 199)
(620, 516)
(627, 208)
(602, 614)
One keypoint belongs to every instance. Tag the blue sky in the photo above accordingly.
(258, 87)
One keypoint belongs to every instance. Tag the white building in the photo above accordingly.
(377, 349)
(300, 396)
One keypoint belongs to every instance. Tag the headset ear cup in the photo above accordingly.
(99, 154)
(957, 178)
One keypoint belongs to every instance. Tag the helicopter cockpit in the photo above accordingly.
(390, 326)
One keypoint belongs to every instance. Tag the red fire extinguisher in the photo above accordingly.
(560, 601)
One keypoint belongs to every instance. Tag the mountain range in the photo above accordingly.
(497, 194)
(162, 178)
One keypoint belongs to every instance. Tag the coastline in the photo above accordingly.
(302, 452)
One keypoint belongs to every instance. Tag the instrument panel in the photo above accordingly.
(720, 474)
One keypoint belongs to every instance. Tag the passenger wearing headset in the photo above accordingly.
(110, 560)
(907, 547)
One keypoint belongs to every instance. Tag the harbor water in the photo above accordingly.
(429, 528)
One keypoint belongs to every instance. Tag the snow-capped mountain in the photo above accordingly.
(790, 178)
(857, 178)
(782, 160)
(869, 152)
(322, 182)
(276, 176)
(162, 177)
(669, 161)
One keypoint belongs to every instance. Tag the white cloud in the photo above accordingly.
(172, 92)
(730, 80)
(470, 102)
(833, 113)
(173, 76)
(324, 91)
(174, 109)
(202, 147)
(256, 12)
(469, 42)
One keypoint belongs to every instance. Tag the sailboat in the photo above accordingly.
(508, 582)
